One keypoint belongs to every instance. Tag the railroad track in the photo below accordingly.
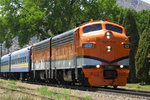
(118, 91)
(121, 91)
(145, 94)
(36, 95)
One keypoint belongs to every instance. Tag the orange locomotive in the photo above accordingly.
(105, 50)
(96, 53)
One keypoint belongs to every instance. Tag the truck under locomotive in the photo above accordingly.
(96, 53)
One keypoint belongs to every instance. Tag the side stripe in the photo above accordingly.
(119, 59)
(103, 60)
(95, 58)
(19, 65)
(4, 67)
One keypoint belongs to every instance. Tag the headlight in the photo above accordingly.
(126, 45)
(121, 66)
(109, 48)
(88, 45)
(98, 66)
(108, 35)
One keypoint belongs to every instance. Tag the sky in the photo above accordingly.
(148, 1)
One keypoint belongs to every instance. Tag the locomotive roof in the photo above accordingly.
(41, 42)
(101, 21)
(55, 37)
(63, 34)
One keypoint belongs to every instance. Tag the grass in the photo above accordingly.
(52, 94)
(2, 82)
(7, 90)
(136, 86)
(87, 98)
(12, 86)
(12, 82)
(45, 92)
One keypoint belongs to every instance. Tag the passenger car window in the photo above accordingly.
(113, 28)
(92, 28)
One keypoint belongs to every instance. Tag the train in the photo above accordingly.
(96, 53)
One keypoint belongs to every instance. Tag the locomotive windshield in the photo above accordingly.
(95, 27)
(113, 28)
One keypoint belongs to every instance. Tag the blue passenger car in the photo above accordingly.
(20, 60)
(5, 63)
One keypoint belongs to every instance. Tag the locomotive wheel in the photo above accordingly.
(105, 86)
(115, 87)
(85, 82)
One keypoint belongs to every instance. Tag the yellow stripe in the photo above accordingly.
(5, 67)
(15, 66)
(20, 65)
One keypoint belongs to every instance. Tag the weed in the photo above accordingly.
(45, 92)
(7, 90)
(87, 98)
(1, 82)
(137, 86)
(12, 82)
(12, 86)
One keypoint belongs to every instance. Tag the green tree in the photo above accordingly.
(141, 18)
(100, 9)
(142, 64)
(9, 21)
(28, 18)
(3, 24)
(129, 21)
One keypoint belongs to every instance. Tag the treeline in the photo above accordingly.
(44, 18)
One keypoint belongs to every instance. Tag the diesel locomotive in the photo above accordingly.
(96, 53)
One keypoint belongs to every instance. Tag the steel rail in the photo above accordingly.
(129, 92)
